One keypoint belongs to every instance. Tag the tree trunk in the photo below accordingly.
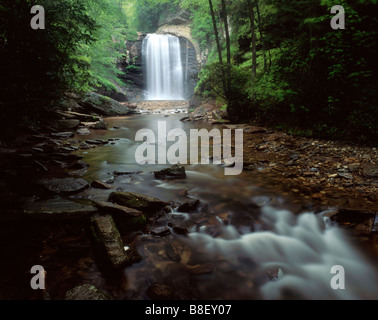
(228, 46)
(216, 32)
(252, 22)
(224, 82)
(261, 35)
(228, 42)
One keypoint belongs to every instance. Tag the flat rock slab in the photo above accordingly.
(109, 239)
(96, 142)
(58, 209)
(86, 292)
(63, 135)
(137, 201)
(116, 209)
(65, 186)
(104, 106)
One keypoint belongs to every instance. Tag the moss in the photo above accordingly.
(137, 201)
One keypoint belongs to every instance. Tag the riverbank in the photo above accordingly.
(325, 172)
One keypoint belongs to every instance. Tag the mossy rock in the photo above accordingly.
(109, 243)
(104, 106)
(144, 203)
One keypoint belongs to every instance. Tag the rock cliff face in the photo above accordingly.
(134, 67)
(190, 67)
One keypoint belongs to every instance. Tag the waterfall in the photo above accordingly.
(187, 63)
(163, 67)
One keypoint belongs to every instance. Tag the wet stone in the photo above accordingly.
(160, 231)
(346, 175)
(58, 209)
(117, 209)
(175, 172)
(65, 186)
(96, 142)
(361, 222)
(138, 201)
(109, 240)
(193, 206)
(178, 230)
(101, 185)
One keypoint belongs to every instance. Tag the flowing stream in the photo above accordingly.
(251, 242)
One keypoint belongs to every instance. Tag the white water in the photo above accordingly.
(163, 67)
(303, 250)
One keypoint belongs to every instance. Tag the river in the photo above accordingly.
(250, 243)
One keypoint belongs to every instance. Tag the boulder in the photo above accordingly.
(65, 186)
(141, 202)
(86, 292)
(193, 206)
(359, 221)
(70, 124)
(109, 242)
(126, 219)
(99, 125)
(104, 106)
(58, 209)
(174, 172)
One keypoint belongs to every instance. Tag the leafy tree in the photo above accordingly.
(77, 51)
(39, 65)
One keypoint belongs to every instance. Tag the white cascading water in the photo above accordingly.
(163, 67)
(303, 249)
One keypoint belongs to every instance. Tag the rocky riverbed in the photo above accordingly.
(86, 232)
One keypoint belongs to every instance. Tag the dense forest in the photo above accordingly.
(262, 179)
(268, 61)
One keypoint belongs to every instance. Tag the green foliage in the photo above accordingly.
(39, 65)
(77, 51)
(148, 15)
(309, 77)
(235, 96)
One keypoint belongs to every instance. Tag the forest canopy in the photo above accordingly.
(269, 61)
